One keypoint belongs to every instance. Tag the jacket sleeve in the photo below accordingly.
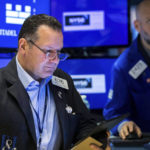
(119, 97)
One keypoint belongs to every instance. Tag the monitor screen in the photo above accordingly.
(13, 14)
(91, 78)
(4, 62)
(93, 23)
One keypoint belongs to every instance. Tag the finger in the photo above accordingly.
(138, 131)
(131, 126)
(108, 134)
(125, 129)
(121, 134)
(95, 147)
(108, 147)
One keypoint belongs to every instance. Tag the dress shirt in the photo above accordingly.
(37, 93)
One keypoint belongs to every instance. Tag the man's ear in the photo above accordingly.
(22, 45)
(137, 25)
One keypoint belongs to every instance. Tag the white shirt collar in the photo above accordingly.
(26, 79)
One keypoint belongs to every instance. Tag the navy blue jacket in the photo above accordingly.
(128, 94)
(16, 120)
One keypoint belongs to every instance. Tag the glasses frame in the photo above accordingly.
(59, 55)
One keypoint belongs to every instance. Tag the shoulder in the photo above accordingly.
(9, 72)
(2, 74)
(128, 58)
(60, 73)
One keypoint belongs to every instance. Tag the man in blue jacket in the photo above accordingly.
(130, 86)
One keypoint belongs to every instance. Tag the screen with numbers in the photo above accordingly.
(12, 15)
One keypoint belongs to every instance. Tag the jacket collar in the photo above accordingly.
(22, 99)
(17, 90)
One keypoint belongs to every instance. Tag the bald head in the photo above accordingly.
(142, 22)
(142, 9)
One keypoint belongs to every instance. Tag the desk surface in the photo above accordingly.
(144, 147)
(134, 144)
(128, 148)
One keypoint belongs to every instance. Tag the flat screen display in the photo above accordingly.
(93, 23)
(91, 78)
(12, 15)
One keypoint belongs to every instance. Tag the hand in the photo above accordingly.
(95, 147)
(129, 127)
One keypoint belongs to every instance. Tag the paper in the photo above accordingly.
(101, 127)
(85, 144)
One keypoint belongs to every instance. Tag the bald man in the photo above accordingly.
(130, 83)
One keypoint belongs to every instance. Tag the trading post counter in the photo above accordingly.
(130, 144)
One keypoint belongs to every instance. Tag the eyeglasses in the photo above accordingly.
(50, 54)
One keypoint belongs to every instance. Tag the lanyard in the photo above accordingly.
(40, 126)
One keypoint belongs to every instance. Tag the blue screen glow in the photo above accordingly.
(88, 23)
(91, 78)
(13, 14)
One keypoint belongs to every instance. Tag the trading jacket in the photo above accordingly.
(130, 88)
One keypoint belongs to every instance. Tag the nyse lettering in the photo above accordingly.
(77, 20)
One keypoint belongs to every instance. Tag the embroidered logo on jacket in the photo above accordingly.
(8, 142)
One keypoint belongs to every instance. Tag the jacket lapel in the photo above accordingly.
(17, 90)
(23, 101)
(59, 99)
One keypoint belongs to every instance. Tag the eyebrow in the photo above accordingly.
(49, 50)
(147, 19)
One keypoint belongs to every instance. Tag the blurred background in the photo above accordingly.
(95, 32)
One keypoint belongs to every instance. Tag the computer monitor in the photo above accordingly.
(4, 62)
(93, 23)
(91, 78)
(12, 15)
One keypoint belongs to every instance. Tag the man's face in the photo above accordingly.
(145, 30)
(35, 61)
(144, 22)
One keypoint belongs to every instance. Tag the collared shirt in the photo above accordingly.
(37, 93)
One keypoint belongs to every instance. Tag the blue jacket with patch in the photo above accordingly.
(128, 94)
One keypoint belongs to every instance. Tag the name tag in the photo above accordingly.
(137, 69)
(60, 82)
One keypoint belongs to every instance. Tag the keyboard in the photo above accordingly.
(117, 141)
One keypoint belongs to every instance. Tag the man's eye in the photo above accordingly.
(148, 21)
(49, 51)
